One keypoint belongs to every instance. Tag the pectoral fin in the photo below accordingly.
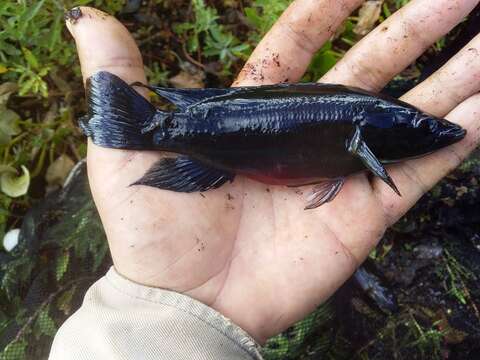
(358, 147)
(324, 192)
(183, 174)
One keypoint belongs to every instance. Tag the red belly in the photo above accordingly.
(283, 181)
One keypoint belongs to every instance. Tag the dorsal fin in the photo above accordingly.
(183, 98)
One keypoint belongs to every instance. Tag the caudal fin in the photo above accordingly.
(118, 117)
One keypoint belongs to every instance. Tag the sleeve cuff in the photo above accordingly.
(120, 319)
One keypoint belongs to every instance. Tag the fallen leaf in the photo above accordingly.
(10, 240)
(8, 125)
(8, 118)
(367, 17)
(451, 335)
(58, 171)
(462, 190)
(189, 80)
(6, 89)
(7, 168)
(15, 186)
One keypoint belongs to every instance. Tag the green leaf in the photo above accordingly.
(8, 125)
(386, 10)
(31, 59)
(30, 14)
(252, 16)
(322, 62)
(4, 321)
(99, 255)
(15, 186)
(240, 49)
(7, 89)
(45, 324)
(55, 33)
(61, 265)
(182, 28)
(264, 13)
(14, 351)
(26, 86)
(64, 302)
(192, 44)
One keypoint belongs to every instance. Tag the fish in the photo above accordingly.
(284, 134)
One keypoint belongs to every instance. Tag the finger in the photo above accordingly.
(397, 42)
(103, 43)
(285, 52)
(457, 80)
(420, 175)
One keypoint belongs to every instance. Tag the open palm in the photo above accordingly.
(250, 250)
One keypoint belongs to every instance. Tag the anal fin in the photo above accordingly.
(182, 174)
(358, 147)
(324, 192)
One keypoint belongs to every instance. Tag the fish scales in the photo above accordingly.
(289, 134)
(297, 130)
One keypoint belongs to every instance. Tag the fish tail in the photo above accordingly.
(118, 116)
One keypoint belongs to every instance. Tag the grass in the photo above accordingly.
(404, 334)
(456, 277)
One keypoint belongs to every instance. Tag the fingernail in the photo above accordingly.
(72, 16)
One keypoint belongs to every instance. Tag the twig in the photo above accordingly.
(192, 60)
(73, 149)
(149, 38)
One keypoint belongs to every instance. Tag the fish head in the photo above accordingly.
(406, 132)
(438, 132)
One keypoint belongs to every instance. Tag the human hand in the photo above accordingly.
(249, 250)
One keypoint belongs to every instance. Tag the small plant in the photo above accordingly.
(225, 46)
(396, 4)
(157, 74)
(322, 62)
(206, 37)
(403, 333)
(31, 42)
(429, 339)
(456, 276)
(263, 14)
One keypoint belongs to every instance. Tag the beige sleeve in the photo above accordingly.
(120, 319)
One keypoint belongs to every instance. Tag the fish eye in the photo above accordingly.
(423, 122)
(168, 122)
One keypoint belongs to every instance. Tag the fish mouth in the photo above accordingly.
(455, 132)
(448, 133)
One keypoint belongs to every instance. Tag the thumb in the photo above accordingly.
(103, 43)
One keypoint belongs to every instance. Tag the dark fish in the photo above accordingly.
(290, 134)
